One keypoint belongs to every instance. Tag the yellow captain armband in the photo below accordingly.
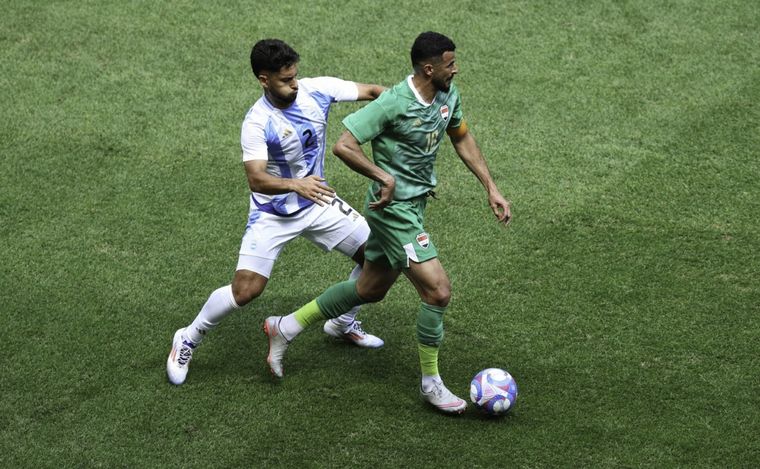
(458, 132)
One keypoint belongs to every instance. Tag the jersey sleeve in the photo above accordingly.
(338, 90)
(253, 141)
(370, 121)
(456, 115)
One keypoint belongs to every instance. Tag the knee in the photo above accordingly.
(440, 296)
(371, 295)
(246, 290)
(245, 294)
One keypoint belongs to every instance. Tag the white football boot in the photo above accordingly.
(352, 333)
(443, 399)
(277, 344)
(178, 363)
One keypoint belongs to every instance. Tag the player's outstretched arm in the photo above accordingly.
(467, 149)
(348, 149)
(310, 187)
(369, 92)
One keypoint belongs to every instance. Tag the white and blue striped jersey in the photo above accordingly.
(292, 140)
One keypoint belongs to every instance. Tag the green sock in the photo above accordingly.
(308, 314)
(338, 299)
(335, 301)
(428, 359)
(430, 325)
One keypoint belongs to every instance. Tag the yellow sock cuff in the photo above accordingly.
(428, 359)
(308, 314)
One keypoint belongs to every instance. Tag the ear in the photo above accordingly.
(428, 69)
(263, 80)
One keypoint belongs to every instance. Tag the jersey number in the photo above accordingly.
(309, 138)
(344, 208)
(432, 139)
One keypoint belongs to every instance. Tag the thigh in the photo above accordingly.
(352, 245)
(264, 238)
(338, 226)
(397, 234)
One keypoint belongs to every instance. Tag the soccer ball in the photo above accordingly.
(494, 391)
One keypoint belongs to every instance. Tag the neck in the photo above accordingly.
(424, 87)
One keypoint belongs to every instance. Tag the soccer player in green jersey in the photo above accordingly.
(405, 125)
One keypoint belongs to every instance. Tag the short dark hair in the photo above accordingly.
(271, 55)
(430, 45)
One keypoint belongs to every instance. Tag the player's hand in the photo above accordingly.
(501, 207)
(313, 188)
(384, 195)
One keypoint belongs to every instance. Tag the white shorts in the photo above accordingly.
(333, 226)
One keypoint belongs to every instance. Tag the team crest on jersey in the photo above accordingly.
(445, 112)
(287, 133)
(423, 240)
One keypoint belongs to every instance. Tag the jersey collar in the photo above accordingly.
(417, 93)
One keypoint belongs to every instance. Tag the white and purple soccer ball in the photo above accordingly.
(494, 391)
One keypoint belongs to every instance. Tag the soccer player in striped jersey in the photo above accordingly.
(283, 143)
(406, 126)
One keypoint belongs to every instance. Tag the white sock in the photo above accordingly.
(219, 304)
(290, 327)
(429, 381)
(347, 318)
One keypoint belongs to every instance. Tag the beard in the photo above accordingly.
(285, 99)
(443, 84)
(289, 98)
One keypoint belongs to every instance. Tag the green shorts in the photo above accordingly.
(397, 235)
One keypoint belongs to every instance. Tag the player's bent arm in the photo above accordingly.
(310, 187)
(349, 150)
(468, 150)
(369, 92)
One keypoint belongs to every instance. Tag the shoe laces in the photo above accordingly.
(185, 354)
(356, 326)
(439, 390)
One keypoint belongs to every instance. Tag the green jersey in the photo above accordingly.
(405, 134)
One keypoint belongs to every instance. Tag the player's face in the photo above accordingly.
(281, 87)
(444, 71)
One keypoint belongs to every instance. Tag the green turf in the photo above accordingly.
(624, 297)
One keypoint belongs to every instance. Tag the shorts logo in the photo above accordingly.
(445, 112)
(423, 240)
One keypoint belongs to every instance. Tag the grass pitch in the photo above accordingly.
(624, 297)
